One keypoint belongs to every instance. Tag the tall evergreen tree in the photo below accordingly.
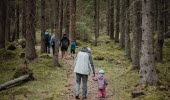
(3, 4)
(43, 26)
(147, 72)
(122, 24)
(117, 21)
(160, 32)
(72, 20)
(137, 31)
(111, 19)
(127, 32)
(30, 51)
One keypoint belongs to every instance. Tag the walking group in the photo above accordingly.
(64, 43)
(83, 65)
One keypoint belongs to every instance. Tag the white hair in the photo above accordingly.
(89, 50)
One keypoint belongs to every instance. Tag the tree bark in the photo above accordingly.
(61, 19)
(111, 19)
(8, 22)
(56, 16)
(98, 18)
(23, 19)
(122, 24)
(17, 21)
(3, 4)
(160, 32)
(95, 21)
(127, 33)
(72, 20)
(147, 72)
(117, 21)
(67, 18)
(30, 29)
(43, 26)
(17, 80)
(136, 34)
(108, 17)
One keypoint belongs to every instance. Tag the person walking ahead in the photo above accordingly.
(83, 66)
(64, 43)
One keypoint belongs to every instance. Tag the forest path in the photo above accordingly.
(92, 92)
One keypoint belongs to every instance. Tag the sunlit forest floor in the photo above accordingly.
(52, 84)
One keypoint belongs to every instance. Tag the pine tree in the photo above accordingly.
(147, 72)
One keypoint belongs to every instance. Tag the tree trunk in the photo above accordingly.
(147, 72)
(30, 29)
(17, 21)
(23, 19)
(160, 32)
(108, 17)
(111, 21)
(3, 4)
(8, 21)
(67, 18)
(43, 27)
(127, 33)
(117, 21)
(72, 20)
(122, 24)
(95, 21)
(61, 19)
(15, 81)
(98, 18)
(136, 34)
(56, 16)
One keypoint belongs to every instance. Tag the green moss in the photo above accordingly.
(44, 55)
(7, 54)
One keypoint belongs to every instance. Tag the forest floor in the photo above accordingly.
(59, 83)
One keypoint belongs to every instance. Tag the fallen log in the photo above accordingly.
(17, 80)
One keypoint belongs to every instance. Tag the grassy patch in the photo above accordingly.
(49, 84)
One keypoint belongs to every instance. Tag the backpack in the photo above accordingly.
(65, 44)
(101, 83)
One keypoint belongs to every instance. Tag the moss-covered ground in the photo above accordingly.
(51, 83)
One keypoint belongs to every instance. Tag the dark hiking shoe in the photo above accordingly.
(77, 97)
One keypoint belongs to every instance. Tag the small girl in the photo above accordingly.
(102, 83)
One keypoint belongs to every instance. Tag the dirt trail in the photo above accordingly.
(92, 86)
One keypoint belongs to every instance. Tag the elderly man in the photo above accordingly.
(83, 66)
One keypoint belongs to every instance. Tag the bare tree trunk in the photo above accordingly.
(56, 16)
(147, 72)
(43, 27)
(23, 19)
(136, 34)
(3, 4)
(160, 25)
(111, 15)
(122, 24)
(72, 20)
(108, 17)
(95, 21)
(61, 18)
(30, 29)
(17, 21)
(117, 21)
(8, 21)
(127, 33)
(67, 18)
(98, 18)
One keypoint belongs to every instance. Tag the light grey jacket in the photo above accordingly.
(83, 63)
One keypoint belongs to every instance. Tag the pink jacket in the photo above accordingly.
(102, 81)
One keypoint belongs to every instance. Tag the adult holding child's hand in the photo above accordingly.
(83, 66)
